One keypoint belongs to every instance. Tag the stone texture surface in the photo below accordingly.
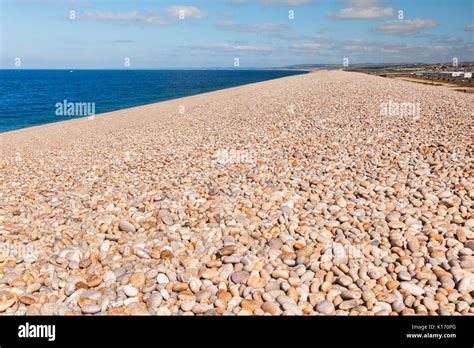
(293, 196)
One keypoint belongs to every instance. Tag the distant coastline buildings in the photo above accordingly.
(446, 74)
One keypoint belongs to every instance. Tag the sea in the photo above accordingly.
(35, 97)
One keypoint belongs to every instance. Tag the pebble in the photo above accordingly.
(154, 300)
(447, 282)
(398, 306)
(239, 276)
(226, 251)
(231, 259)
(162, 279)
(341, 202)
(368, 295)
(348, 304)
(130, 291)
(344, 280)
(430, 304)
(250, 305)
(466, 284)
(194, 285)
(6, 302)
(163, 311)
(28, 300)
(90, 309)
(272, 308)
(165, 217)
(255, 282)
(200, 308)
(275, 243)
(396, 225)
(350, 295)
(126, 226)
(413, 289)
(187, 305)
(414, 245)
(109, 277)
(325, 307)
(292, 309)
(280, 274)
(404, 276)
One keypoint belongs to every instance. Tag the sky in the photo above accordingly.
(110, 34)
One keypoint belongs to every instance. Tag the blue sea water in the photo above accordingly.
(29, 97)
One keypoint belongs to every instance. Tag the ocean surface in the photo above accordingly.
(32, 97)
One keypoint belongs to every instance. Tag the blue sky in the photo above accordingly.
(212, 33)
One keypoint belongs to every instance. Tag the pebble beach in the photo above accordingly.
(296, 196)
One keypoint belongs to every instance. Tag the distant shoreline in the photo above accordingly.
(158, 69)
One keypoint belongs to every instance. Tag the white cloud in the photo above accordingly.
(255, 28)
(132, 16)
(58, 3)
(307, 46)
(470, 27)
(405, 27)
(364, 13)
(362, 3)
(236, 47)
(172, 16)
(274, 2)
(451, 40)
(363, 9)
(286, 2)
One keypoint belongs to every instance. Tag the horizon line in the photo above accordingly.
(290, 67)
